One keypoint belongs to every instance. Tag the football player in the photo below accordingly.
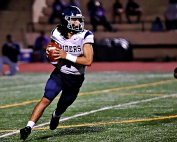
(74, 55)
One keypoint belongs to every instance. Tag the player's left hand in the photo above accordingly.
(47, 52)
(59, 54)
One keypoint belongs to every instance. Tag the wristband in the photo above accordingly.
(71, 58)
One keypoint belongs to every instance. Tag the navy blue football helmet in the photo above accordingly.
(72, 13)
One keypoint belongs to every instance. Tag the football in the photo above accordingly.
(52, 47)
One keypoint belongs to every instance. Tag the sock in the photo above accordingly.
(54, 115)
(31, 124)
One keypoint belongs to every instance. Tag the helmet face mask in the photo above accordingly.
(73, 19)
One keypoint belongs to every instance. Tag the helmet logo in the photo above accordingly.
(72, 14)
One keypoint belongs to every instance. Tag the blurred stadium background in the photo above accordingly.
(24, 20)
(144, 92)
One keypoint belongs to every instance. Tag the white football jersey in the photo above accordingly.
(73, 46)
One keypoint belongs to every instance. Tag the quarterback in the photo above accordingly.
(74, 54)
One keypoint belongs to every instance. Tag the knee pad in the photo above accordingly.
(50, 95)
(51, 89)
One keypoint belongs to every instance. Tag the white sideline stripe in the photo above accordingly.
(93, 111)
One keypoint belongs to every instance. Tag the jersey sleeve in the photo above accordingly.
(88, 38)
(54, 34)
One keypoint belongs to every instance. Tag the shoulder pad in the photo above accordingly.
(87, 34)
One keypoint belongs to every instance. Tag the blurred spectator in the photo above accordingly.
(57, 7)
(157, 25)
(90, 5)
(133, 9)
(40, 47)
(73, 3)
(171, 15)
(10, 56)
(117, 11)
(97, 17)
(172, 1)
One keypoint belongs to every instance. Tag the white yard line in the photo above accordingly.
(22, 86)
(94, 111)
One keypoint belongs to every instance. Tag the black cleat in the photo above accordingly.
(54, 122)
(25, 132)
